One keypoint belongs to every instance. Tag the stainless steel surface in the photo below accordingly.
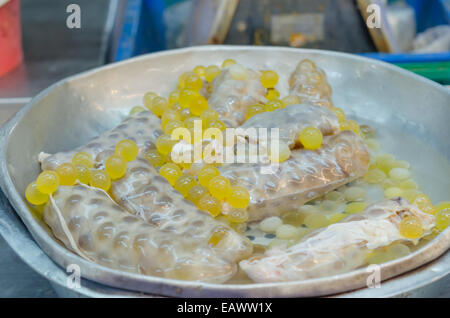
(16, 277)
(431, 280)
(10, 106)
(83, 106)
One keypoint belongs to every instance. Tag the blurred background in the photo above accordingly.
(38, 47)
(44, 41)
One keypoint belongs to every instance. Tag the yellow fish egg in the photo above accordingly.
(273, 105)
(210, 204)
(272, 93)
(100, 179)
(83, 158)
(136, 110)
(155, 158)
(83, 174)
(170, 115)
(334, 218)
(115, 166)
(172, 125)
(206, 174)
(187, 97)
(443, 219)
(171, 172)
(410, 227)
(355, 207)
(340, 114)
(198, 106)
(375, 176)
(228, 63)
(219, 187)
(237, 216)
(127, 149)
(164, 144)
(184, 183)
(216, 124)
(200, 70)
(159, 105)
(239, 197)
(311, 138)
(47, 182)
(316, 220)
(211, 72)
(269, 79)
(195, 193)
(218, 235)
(193, 81)
(34, 196)
(253, 110)
(174, 97)
(67, 174)
(148, 98)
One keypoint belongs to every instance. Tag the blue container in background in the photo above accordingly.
(143, 29)
(429, 13)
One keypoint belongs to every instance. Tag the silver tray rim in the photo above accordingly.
(170, 287)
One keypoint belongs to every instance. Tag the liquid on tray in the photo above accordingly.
(321, 198)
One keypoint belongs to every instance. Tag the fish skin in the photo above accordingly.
(143, 128)
(230, 97)
(338, 248)
(310, 83)
(92, 225)
(143, 192)
(292, 119)
(306, 175)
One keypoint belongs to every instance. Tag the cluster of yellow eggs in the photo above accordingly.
(208, 190)
(340, 203)
(395, 178)
(184, 106)
(81, 170)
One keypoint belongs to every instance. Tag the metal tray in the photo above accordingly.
(74, 110)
